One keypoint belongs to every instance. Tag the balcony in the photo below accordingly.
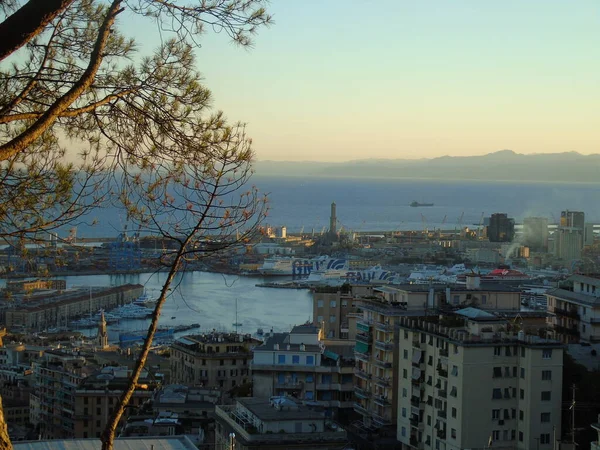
(444, 352)
(363, 325)
(414, 421)
(416, 343)
(366, 357)
(573, 331)
(381, 420)
(382, 382)
(385, 346)
(382, 364)
(572, 313)
(384, 326)
(361, 393)
(382, 401)
(362, 374)
(364, 337)
(289, 385)
(442, 414)
(594, 320)
(415, 401)
(442, 372)
(441, 434)
(328, 386)
(443, 393)
(361, 409)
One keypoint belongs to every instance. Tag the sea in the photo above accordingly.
(304, 203)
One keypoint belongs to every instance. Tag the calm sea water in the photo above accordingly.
(377, 205)
(210, 300)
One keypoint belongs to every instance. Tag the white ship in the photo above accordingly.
(375, 274)
(288, 266)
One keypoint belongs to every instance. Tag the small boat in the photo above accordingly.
(415, 204)
(260, 332)
(173, 317)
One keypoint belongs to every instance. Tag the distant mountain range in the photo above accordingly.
(504, 165)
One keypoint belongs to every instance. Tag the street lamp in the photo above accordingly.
(231, 441)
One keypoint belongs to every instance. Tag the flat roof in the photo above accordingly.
(130, 443)
(283, 340)
(261, 408)
(577, 297)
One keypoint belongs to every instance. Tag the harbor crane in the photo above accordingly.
(479, 227)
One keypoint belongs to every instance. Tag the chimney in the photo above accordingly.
(289, 347)
(302, 347)
(276, 347)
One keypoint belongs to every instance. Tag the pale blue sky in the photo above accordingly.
(337, 80)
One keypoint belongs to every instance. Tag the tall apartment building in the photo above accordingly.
(575, 315)
(52, 405)
(212, 360)
(572, 219)
(302, 365)
(535, 233)
(98, 394)
(334, 310)
(464, 382)
(568, 242)
(501, 228)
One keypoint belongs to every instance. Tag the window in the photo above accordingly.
(483, 299)
(506, 392)
(309, 395)
(429, 420)
(97, 423)
(547, 354)
(455, 371)
(310, 360)
(404, 374)
(430, 361)
(98, 412)
(405, 354)
(495, 414)
(546, 375)
(453, 412)
(332, 304)
(429, 380)
(453, 433)
(85, 423)
(295, 359)
(497, 393)
(233, 383)
(522, 372)
(309, 378)
(456, 299)
(513, 435)
(331, 318)
(281, 359)
(404, 431)
(521, 415)
(496, 435)
(545, 438)
(506, 414)
(507, 351)
(404, 392)
(520, 436)
(497, 372)
(545, 417)
(85, 400)
(403, 412)
(454, 391)
(455, 349)
(320, 319)
(497, 351)
(98, 400)
(521, 394)
(546, 396)
(514, 371)
(507, 372)
(319, 303)
(513, 413)
(522, 352)
(222, 362)
(344, 303)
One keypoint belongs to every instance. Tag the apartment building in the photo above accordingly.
(257, 424)
(97, 395)
(212, 360)
(302, 365)
(465, 382)
(52, 404)
(334, 309)
(574, 314)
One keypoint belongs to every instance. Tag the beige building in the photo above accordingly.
(464, 382)
(568, 242)
(212, 360)
(97, 395)
(575, 315)
(280, 423)
(302, 365)
(334, 310)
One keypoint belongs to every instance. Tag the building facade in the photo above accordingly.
(302, 365)
(475, 385)
(535, 233)
(568, 242)
(575, 315)
(212, 360)
(501, 228)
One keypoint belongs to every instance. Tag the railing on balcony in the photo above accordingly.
(416, 342)
(361, 409)
(443, 393)
(441, 413)
(383, 382)
(386, 346)
(444, 352)
(364, 337)
(361, 393)
(362, 374)
(572, 313)
(415, 401)
(594, 320)
(441, 434)
(382, 401)
(382, 364)
(442, 372)
(384, 326)
(363, 325)
(362, 356)
(574, 331)
(414, 421)
(381, 420)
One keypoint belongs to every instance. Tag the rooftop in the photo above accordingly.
(137, 443)
(305, 329)
(282, 339)
(266, 410)
(578, 297)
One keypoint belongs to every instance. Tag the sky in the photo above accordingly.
(338, 80)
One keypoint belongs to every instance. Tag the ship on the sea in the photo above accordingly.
(286, 266)
(502, 274)
(416, 204)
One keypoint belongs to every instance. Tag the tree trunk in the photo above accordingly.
(27, 22)
(5, 443)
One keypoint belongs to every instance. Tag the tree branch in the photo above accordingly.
(26, 138)
(27, 22)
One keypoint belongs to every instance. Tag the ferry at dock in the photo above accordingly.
(290, 266)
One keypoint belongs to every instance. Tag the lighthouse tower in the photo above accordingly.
(102, 332)
(333, 221)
